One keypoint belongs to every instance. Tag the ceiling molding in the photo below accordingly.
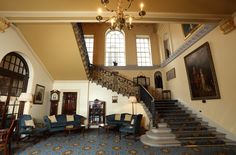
(89, 16)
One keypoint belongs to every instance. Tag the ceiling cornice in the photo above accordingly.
(89, 16)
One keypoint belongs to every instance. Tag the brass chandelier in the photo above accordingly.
(120, 19)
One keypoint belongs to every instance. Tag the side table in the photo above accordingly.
(106, 127)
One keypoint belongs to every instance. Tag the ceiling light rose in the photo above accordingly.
(120, 20)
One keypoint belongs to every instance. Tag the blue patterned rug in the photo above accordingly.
(108, 144)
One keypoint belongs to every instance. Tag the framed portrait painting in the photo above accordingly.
(201, 74)
(188, 29)
(39, 94)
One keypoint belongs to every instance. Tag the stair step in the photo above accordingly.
(159, 136)
(187, 123)
(161, 130)
(213, 141)
(162, 124)
(166, 105)
(179, 116)
(184, 119)
(174, 114)
(158, 143)
(206, 129)
(229, 142)
(189, 128)
(166, 101)
(198, 134)
(162, 107)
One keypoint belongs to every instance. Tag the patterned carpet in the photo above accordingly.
(107, 144)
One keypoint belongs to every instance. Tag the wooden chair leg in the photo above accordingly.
(5, 149)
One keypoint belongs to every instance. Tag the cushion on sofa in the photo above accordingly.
(52, 119)
(69, 118)
(128, 117)
(29, 123)
(117, 117)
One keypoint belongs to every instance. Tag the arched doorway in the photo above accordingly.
(14, 75)
(158, 80)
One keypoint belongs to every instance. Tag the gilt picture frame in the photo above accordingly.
(170, 74)
(201, 74)
(39, 94)
(189, 29)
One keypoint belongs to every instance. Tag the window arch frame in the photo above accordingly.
(14, 71)
(119, 56)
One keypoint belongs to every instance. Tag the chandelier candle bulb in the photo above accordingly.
(130, 20)
(141, 6)
(112, 22)
(99, 11)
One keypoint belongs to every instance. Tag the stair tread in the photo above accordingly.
(148, 141)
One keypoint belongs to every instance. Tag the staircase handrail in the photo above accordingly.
(148, 100)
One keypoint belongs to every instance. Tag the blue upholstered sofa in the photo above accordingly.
(61, 122)
(110, 119)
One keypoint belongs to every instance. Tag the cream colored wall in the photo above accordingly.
(174, 33)
(57, 48)
(219, 112)
(88, 91)
(12, 40)
(99, 31)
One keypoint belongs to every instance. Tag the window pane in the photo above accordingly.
(115, 48)
(89, 41)
(143, 51)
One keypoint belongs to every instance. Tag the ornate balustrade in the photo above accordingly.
(113, 81)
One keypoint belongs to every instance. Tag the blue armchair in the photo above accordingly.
(28, 130)
(133, 127)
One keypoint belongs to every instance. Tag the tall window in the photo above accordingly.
(115, 48)
(89, 40)
(14, 74)
(144, 57)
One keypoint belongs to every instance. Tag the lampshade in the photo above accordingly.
(27, 97)
(132, 99)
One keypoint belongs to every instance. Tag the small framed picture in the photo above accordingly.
(170, 74)
(114, 99)
(39, 94)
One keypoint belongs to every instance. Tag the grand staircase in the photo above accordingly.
(180, 126)
(171, 123)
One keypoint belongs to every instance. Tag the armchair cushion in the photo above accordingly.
(52, 118)
(29, 123)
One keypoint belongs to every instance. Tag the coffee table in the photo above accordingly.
(70, 128)
(106, 127)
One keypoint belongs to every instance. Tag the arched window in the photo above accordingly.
(14, 74)
(115, 48)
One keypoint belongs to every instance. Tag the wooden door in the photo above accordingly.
(54, 107)
(69, 103)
